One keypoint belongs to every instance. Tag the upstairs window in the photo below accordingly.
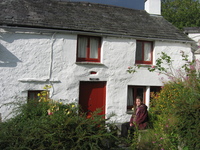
(89, 49)
(144, 50)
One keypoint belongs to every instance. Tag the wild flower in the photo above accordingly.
(129, 67)
(181, 90)
(153, 142)
(68, 112)
(133, 69)
(54, 106)
(49, 112)
(47, 87)
(192, 67)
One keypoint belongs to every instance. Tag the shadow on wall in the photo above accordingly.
(7, 59)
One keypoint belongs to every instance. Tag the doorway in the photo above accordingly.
(92, 96)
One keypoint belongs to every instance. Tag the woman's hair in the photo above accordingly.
(139, 97)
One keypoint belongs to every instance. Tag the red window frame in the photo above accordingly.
(135, 94)
(151, 55)
(134, 90)
(87, 58)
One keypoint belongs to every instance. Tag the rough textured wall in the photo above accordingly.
(30, 60)
(196, 47)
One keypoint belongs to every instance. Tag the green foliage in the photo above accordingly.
(164, 59)
(134, 139)
(64, 129)
(133, 69)
(182, 13)
(164, 65)
(175, 110)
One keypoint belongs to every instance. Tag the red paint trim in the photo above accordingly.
(88, 96)
(142, 61)
(135, 94)
(93, 72)
(88, 59)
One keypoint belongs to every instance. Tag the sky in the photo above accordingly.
(134, 4)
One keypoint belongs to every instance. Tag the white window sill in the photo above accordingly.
(129, 111)
(89, 63)
(144, 65)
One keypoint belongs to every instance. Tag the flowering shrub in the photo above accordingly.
(175, 110)
(133, 69)
(164, 65)
(44, 95)
(63, 128)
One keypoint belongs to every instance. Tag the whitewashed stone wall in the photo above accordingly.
(196, 47)
(29, 60)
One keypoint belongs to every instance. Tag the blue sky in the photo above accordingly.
(134, 4)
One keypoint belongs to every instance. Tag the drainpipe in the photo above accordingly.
(51, 63)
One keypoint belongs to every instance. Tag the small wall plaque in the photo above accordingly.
(94, 79)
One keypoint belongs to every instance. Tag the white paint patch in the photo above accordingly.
(30, 61)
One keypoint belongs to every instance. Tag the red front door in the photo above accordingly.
(92, 95)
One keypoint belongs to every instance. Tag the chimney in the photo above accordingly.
(153, 7)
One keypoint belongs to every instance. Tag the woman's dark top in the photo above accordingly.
(141, 117)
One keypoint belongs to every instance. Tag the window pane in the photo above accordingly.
(82, 47)
(94, 43)
(133, 92)
(130, 97)
(140, 92)
(139, 51)
(147, 51)
(33, 95)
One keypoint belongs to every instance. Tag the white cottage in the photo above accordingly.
(194, 33)
(83, 50)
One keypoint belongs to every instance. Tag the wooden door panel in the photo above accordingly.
(92, 96)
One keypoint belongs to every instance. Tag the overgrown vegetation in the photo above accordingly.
(51, 125)
(175, 110)
(174, 118)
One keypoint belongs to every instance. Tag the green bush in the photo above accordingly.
(175, 110)
(64, 129)
(175, 115)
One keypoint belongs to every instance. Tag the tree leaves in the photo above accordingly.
(181, 13)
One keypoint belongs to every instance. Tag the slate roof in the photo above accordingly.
(191, 30)
(87, 17)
